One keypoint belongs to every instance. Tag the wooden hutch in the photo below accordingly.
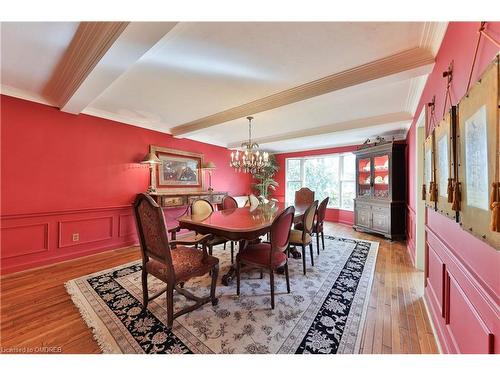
(380, 203)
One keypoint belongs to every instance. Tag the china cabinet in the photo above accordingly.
(380, 206)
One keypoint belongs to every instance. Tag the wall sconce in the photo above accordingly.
(151, 160)
(209, 166)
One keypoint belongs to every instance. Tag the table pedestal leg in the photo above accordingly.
(231, 273)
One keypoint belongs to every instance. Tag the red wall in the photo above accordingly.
(63, 174)
(332, 214)
(462, 272)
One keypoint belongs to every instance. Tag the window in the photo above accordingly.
(329, 176)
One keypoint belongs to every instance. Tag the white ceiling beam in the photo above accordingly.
(385, 119)
(415, 61)
(98, 54)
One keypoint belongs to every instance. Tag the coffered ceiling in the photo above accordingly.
(308, 85)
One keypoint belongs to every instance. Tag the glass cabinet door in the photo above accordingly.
(381, 177)
(364, 177)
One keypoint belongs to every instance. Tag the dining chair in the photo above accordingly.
(303, 237)
(304, 196)
(254, 201)
(318, 225)
(228, 203)
(269, 255)
(203, 208)
(172, 266)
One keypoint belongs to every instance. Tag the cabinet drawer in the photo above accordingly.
(173, 201)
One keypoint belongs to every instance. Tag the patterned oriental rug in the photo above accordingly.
(324, 313)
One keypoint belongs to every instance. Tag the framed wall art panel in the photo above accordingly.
(179, 171)
(478, 114)
(429, 171)
(444, 134)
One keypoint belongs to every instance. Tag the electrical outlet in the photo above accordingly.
(76, 237)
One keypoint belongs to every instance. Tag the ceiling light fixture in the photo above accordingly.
(251, 160)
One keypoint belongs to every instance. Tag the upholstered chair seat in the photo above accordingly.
(269, 255)
(296, 237)
(187, 261)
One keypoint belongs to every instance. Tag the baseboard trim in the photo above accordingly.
(433, 327)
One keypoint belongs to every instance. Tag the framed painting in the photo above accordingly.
(178, 171)
(478, 154)
(445, 155)
(429, 171)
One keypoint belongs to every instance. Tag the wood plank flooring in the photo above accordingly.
(37, 312)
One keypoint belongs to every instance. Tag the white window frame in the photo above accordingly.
(340, 159)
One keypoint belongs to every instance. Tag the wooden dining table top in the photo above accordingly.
(239, 223)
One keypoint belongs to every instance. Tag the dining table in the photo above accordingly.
(242, 225)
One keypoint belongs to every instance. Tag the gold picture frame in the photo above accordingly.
(163, 183)
(445, 162)
(429, 170)
(478, 153)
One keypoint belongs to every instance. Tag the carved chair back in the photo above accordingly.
(280, 231)
(304, 196)
(152, 231)
(229, 202)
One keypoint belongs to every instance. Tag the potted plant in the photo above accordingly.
(265, 179)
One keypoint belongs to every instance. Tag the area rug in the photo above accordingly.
(324, 313)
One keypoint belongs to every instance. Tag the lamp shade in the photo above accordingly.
(151, 158)
(209, 165)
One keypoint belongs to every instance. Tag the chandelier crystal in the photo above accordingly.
(250, 160)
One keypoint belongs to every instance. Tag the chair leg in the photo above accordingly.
(210, 249)
(225, 245)
(261, 273)
(170, 307)
(232, 252)
(317, 242)
(304, 258)
(312, 253)
(215, 273)
(323, 239)
(271, 280)
(145, 294)
(237, 276)
(287, 278)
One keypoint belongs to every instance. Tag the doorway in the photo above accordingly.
(419, 204)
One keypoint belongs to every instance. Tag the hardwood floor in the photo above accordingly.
(37, 312)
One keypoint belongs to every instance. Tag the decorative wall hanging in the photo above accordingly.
(444, 134)
(178, 171)
(430, 172)
(479, 159)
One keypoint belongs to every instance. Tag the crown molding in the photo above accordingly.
(25, 95)
(417, 86)
(389, 118)
(91, 41)
(432, 36)
(387, 66)
(399, 136)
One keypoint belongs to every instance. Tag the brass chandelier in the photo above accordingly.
(251, 160)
